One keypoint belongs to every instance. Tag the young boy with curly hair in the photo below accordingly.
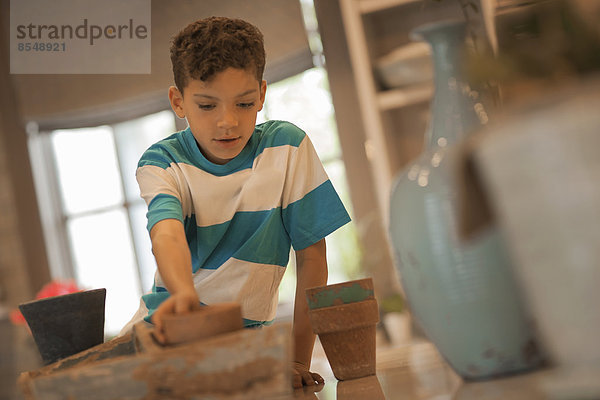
(227, 198)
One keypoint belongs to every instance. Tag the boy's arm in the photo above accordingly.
(174, 262)
(311, 270)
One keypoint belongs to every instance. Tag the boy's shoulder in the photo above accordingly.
(276, 133)
(175, 148)
(166, 151)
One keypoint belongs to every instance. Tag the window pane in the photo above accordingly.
(343, 249)
(87, 168)
(261, 116)
(103, 257)
(143, 246)
(337, 175)
(305, 101)
(133, 138)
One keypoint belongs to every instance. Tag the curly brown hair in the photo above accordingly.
(211, 45)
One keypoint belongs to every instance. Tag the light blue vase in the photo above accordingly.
(462, 293)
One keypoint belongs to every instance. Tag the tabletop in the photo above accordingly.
(416, 371)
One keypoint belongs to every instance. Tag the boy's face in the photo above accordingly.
(221, 112)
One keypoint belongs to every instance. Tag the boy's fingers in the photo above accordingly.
(185, 304)
(302, 376)
(301, 379)
(297, 380)
(308, 381)
(156, 320)
(182, 307)
(158, 330)
(308, 378)
(318, 378)
(160, 337)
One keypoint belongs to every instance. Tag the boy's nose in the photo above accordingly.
(228, 120)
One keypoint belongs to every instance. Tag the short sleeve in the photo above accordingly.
(311, 208)
(160, 191)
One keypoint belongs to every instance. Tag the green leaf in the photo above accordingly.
(393, 303)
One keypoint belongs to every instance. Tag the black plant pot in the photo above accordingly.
(65, 325)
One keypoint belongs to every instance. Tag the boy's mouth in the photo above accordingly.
(228, 142)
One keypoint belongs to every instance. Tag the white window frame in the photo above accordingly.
(45, 173)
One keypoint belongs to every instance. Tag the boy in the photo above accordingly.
(226, 197)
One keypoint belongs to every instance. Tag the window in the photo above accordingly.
(94, 213)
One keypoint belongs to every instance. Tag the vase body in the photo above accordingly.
(461, 292)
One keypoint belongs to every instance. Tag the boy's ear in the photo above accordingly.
(263, 93)
(176, 100)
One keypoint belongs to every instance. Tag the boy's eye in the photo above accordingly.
(246, 105)
(206, 107)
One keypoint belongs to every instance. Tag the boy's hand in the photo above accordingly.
(302, 376)
(178, 303)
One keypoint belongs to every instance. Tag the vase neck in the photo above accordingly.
(456, 108)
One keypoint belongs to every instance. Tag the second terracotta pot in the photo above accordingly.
(347, 333)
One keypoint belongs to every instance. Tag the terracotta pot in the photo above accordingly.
(363, 388)
(208, 321)
(347, 333)
(65, 325)
(340, 293)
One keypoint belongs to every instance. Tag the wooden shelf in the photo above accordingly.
(388, 150)
(397, 98)
(371, 6)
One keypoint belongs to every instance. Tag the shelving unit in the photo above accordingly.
(398, 98)
(370, 6)
(394, 119)
(380, 130)
(373, 101)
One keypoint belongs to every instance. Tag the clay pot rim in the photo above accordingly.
(322, 320)
(62, 296)
(355, 304)
(340, 293)
(333, 286)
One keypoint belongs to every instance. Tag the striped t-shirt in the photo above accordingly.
(240, 218)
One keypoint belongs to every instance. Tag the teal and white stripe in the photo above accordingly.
(240, 218)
